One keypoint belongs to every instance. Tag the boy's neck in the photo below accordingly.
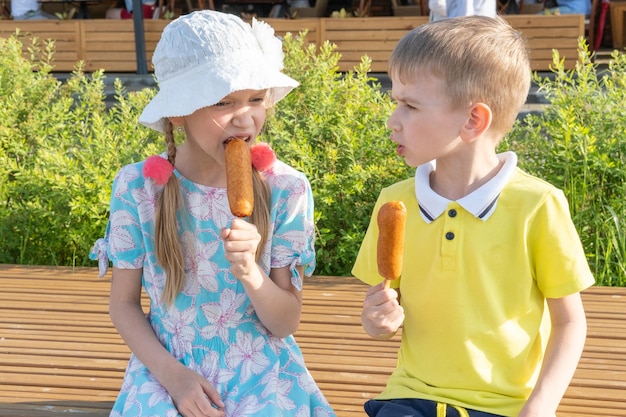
(454, 179)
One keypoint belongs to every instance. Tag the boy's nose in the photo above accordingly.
(391, 124)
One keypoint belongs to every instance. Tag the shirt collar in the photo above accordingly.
(481, 202)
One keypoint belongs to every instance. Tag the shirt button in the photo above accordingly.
(449, 235)
(452, 213)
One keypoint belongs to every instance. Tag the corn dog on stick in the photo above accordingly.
(239, 177)
(391, 230)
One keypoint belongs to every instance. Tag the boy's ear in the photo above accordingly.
(478, 122)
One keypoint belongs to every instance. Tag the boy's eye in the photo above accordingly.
(405, 105)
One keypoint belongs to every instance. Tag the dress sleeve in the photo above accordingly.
(123, 243)
(294, 233)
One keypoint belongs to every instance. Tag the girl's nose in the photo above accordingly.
(243, 117)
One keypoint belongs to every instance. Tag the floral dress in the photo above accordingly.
(212, 327)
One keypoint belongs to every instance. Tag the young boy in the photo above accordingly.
(488, 299)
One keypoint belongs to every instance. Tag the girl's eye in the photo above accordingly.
(258, 99)
(220, 104)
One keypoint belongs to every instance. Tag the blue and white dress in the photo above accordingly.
(212, 327)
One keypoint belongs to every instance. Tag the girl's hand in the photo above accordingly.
(382, 314)
(240, 244)
(193, 395)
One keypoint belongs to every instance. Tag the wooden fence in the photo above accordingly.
(110, 44)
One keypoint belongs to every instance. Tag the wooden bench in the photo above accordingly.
(372, 36)
(110, 44)
(376, 37)
(545, 33)
(60, 354)
(66, 35)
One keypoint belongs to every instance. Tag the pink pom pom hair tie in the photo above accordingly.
(263, 156)
(158, 169)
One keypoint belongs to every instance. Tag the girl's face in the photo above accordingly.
(425, 124)
(240, 114)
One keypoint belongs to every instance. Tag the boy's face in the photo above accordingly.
(425, 124)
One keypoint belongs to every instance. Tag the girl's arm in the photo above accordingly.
(276, 301)
(188, 389)
(565, 346)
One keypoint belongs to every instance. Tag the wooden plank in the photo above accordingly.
(405, 23)
(523, 22)
(295, 26)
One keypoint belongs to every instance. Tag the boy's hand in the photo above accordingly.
(382, 315)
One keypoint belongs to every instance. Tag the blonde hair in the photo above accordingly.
(480, 59)
(167, 229)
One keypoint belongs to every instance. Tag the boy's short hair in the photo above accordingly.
(480, 59)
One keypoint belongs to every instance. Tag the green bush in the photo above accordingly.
(60, 147)
(579, 144)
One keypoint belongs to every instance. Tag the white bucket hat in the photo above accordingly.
(206, 55)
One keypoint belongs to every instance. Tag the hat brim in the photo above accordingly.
(207, 84)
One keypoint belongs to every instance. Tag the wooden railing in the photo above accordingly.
(110, 44)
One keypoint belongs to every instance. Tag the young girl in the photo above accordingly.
(225, 293)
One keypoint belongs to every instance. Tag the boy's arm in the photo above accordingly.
(565, 346)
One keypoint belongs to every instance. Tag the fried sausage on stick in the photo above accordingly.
(239, 177)
(391, 230)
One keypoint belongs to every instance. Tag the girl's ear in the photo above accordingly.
(177, 121)
(478, 122)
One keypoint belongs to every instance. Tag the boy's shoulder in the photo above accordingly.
(528, 192)
(523, 181)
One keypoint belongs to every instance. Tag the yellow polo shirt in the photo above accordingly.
(475, 277)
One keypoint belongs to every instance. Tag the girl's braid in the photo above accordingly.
(168, 248)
